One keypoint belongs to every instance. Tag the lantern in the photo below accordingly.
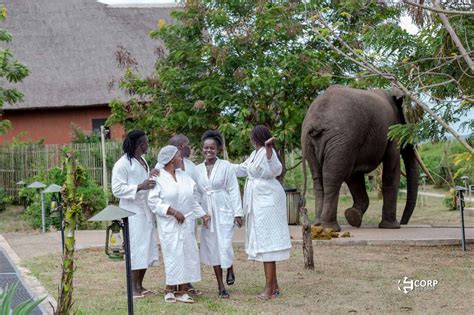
(54, 209)
(114, 241)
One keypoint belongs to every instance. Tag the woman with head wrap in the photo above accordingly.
(220, 193)
(130, 183)
(267, 234)
(174, 202)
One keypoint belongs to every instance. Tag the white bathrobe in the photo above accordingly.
(220, 198)
(178, 242)
(267, 233)
(126, 177)
(189, 168)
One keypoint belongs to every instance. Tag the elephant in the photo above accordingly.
(344, 136)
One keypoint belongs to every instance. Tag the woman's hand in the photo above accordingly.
(269, 142)
(238, 221)
(176, 214)
(146, 185)
(179, 217)
(269, 147)
(155, 172)
(205, 220)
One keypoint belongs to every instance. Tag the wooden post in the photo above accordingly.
(307, 241)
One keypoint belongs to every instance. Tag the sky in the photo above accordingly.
(137, 3)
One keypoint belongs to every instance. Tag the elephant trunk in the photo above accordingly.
(411, 167)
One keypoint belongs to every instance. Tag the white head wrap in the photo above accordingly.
(166, 154)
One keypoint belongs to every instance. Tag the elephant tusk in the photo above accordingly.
(423, 166)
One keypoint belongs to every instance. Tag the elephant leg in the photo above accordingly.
(317, 177)
(390, 184)
(318, 195)
(354, 214)
(329, 213)
(333, 177)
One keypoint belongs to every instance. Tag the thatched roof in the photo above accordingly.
(69, 47)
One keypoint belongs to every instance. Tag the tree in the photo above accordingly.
(72, 209)
(426, 66)
(10, 70)
(232, 65)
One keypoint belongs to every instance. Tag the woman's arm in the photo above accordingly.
(232, 187)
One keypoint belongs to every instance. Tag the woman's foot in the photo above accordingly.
(276, 293)
(262, 297)
(146, 292)
(230, 279)
(224, 294)
(193, 291)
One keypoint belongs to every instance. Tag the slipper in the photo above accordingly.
(148, 292)
(194, 291)
(170, 298)
(185, 298)
(263, 297)
(230, 278)
(141, 296)
(224, 294)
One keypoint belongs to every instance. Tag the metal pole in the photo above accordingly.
(43, 220)
(461, 208)
(61, 217)
(128, 266)
(104, 164)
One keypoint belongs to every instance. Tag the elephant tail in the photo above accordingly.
(305, 177)
(411, 167)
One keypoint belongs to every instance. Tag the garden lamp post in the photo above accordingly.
(53, 188)
(38, 185)
(459, 192)
(465, 180)
(116, 215)
(22, 184)
(423, 182)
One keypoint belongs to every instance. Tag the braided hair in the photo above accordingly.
(214, 135)
(131, 142)
(260, 134)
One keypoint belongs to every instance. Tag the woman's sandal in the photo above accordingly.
(148, 293)
(184, 298)
(194, 291)
(230, 278)
(263, 297)
(170, 297)
(224, 294)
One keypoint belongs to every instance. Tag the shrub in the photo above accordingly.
(4, 199)
(92, 195)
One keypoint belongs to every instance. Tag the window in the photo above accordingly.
(96, 123)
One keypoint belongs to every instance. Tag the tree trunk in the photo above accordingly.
(72, 207)
(307, 241)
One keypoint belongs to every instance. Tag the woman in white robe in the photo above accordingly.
(267, 234)
(130, 183)
(174, 202)
(220, 193)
